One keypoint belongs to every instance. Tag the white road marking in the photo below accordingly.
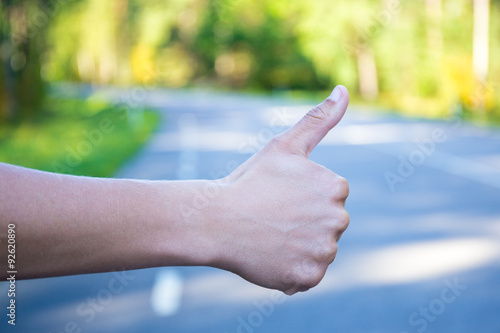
(167, 292)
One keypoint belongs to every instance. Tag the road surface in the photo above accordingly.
(422, 253)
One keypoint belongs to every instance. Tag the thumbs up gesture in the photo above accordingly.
(281, 214)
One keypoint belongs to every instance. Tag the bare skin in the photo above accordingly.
(275, 220)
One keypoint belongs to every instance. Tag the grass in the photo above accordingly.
(90, 138)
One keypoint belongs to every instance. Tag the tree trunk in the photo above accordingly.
(480, 47)
(22, 86)
(434, 34)
(121, 8)
(480, 39)
(9, 107)
(367, 73)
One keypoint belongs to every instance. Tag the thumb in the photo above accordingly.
(313, 127)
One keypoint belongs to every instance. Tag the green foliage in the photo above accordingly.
(415, 56)
(70, 136)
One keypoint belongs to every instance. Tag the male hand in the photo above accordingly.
(283, 214)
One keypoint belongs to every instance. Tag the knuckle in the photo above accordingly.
(341, 223)
(332, 252)
(321, 112)
(342, 187)
(344, 220)
(327, 251)
(310, 277)
(279, 142)
(317, 114)
(276, 140)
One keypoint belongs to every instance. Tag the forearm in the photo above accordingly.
(73, 225)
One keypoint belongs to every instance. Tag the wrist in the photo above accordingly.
(188, 223)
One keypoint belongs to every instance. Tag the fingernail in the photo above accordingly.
(336, 94)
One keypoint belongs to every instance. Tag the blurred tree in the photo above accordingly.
(253, 43)
(421, 57)
(340, 38)
(21, 40)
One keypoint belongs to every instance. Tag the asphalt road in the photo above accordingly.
(422, 253)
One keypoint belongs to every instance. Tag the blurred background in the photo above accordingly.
(184, 89)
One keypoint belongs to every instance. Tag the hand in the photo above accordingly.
(282, 214)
